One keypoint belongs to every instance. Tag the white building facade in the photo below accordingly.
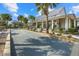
(57, 19)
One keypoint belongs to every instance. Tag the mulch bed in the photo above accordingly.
(2, 42)
(68, 38)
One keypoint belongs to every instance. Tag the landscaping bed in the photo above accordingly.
(3, 36)
(64, 37)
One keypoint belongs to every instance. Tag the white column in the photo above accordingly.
(36, 25)
(52, 24)
(42, 24)
(69, 23)
(66, 24)
(74, 23)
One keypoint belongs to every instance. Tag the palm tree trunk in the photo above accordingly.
(47, 23)
(6, 24)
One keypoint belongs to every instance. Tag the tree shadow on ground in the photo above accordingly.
(63, 48)
(14, 33)
(12, 48)
(31, 52)
(57, 47)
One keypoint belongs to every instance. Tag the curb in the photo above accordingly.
(6, 51)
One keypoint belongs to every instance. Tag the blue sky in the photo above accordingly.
(27, 9)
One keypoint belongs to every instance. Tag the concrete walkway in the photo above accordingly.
(75, 49)
(75, 36)
(27, 43)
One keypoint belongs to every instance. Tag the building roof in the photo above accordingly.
(53, 14)
(77, 17)
(43, 18)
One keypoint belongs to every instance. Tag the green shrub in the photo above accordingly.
(33, 29)
(71, 30)
(61, 30)
(76, 33)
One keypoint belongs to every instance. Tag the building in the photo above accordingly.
(77, 21)
(57, 19)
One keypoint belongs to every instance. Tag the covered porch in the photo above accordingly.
(64, 22)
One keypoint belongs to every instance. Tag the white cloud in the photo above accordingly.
(39, 13)
(70, 12)
(75, 8)
(16, 15)
(26, 15)
(12, 7)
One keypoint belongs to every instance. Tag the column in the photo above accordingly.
(42, 24)
(74, 23)
(52, 23)
(66, 23)
(69, 23)
(36, 24)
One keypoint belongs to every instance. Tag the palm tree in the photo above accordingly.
(44, 8)
(25, 20)
(32, 18)
(22, 19)
(6, 18)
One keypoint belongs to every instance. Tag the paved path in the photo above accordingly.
(75, 49)
(27, 43)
